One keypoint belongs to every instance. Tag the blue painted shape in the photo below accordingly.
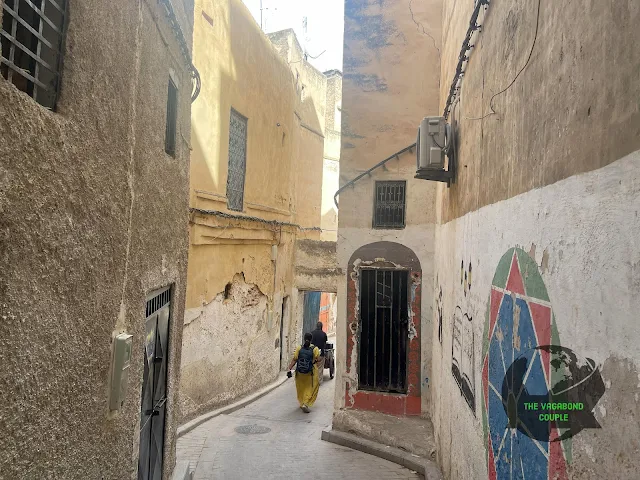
(528, 457)
(497, 419)
(505, 323)
(311, 311)
(503, 461)
(535, 382)
(526, 331)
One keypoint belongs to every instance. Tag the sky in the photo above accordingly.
(325, 26)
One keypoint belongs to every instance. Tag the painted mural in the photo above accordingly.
(463, 364)
(519, 319)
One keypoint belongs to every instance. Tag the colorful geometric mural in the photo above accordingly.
(519, 318)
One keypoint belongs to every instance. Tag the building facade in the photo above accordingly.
(527, 258)
(535, 243)
(387, 218)
(257, 242)
(94, 166)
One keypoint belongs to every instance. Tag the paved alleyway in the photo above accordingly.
(291, 449)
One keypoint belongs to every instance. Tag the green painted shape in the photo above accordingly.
(533, 283)
(502, 270)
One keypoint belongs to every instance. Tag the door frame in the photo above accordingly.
(389, 255)
(167, 301)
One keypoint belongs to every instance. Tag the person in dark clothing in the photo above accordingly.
(319, 339)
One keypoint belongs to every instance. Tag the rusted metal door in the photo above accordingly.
(383, 330)
(154, 387)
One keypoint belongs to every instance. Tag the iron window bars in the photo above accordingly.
(32, 37)
(389, 207)
(237, 161)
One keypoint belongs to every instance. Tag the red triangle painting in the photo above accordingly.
(496, 300)
(514, 283)
(492, 463)
(557, 462)
(541, 316)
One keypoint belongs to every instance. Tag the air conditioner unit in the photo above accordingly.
(435, 140)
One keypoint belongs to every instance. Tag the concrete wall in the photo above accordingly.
(94, 217)
(235, 288)
(553, 174)
(383, 103)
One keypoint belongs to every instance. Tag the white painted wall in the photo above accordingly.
(583, 233)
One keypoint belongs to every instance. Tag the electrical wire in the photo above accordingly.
(493, 112)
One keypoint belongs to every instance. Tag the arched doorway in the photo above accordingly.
(383, 329)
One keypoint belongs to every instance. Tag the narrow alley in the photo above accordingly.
(272, 438)
(203, 201)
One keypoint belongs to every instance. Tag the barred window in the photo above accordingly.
(389, 208)
(172, 119)
(32, 39)
(237, 161)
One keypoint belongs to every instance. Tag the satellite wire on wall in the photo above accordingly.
(535, 37)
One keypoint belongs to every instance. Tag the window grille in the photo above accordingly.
(237, 161)
(172, 117)
(32, 38)
(158, 301)
(389, 208)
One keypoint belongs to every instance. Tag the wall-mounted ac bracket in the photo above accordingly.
(434, 142)
(436, 176)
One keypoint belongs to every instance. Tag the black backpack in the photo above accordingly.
(305, 359)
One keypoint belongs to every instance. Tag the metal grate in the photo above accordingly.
(172, 118)
(237, 161)
(384, 323)
(157, 302)
(32, 37)
(389, 208)
(252, 429)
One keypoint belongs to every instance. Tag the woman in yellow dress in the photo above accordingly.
(307, 385)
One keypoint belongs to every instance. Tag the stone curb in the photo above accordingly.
(425, 467)
(182, 471)
(187, 427)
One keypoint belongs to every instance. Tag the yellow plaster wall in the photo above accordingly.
(240, 69)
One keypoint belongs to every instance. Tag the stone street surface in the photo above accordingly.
(290, 449)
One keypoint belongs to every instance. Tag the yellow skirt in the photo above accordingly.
(307, 387)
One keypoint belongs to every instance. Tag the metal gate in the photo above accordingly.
(311, 311)
(383, 330)
(154, 387)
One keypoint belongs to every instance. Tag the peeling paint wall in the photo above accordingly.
(579, 234)
(251, 252)
(551, 180)
(226, 348)
(384, 98)
(94, 218)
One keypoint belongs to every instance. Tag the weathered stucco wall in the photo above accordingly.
(94, 217)
(554, 174)
(315, 266)
(383, 102)
(231, 252)
(580, 121)
(579, 232)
